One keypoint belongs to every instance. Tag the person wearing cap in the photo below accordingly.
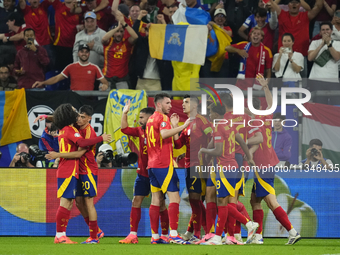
(297, 24)
(82, 73)
(92, 36)
(117, 53)
(100, 156)
(220, 18)
(102, 11)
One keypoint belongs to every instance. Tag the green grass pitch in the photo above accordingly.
(110, 245)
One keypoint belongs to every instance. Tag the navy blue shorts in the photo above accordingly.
(194, 183)
(67, 187)
(226, 183)
(263, 186)
(142, 186)
(163, 179)
(87, 185)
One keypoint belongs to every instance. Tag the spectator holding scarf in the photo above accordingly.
(255, 58)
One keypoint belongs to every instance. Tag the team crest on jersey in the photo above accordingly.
(77, 135)
(163, 124)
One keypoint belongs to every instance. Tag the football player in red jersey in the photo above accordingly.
(195, 136)
(69, 141)
(163, 177)
(142, 182)
(263, 188)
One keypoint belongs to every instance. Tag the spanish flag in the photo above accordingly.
(14, 124)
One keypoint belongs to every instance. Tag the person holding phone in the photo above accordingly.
(287, 64)
(30, 61)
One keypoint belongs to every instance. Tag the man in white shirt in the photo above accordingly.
(325, 53)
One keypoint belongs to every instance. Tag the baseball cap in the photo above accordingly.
(220, 11)
(84, 46)
(105, 147)
(90, 15)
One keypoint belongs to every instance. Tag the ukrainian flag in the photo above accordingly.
(183, 43)
(14, 124)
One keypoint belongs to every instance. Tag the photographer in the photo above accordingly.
(30, 62)
(22, 157)
(104, 156)
(314, 156)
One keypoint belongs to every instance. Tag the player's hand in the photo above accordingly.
(40, 117)
(38, 84)
(174, 119)
(251, 162)
(51, 155)
(243, 53)
(263, 81)
(126, 108)
(106, 137)
(187, 122)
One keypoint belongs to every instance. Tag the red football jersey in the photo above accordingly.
(88, 162)
(195, 137)
(116, 58)
(37, 18)
(265, 155)
(65, 25)
(68, 137)
(143, 154)
(225, 134)
(159, 149)
(82, 76)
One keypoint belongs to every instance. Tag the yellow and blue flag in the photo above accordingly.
(14, 124)
(183, 43)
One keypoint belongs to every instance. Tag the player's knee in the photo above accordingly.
(137, 201)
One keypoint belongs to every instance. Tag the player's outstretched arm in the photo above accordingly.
(216, 151)
(69, 155)
(124, 121)
(166, 133)
(256, 139)
(43, 117)
(264, 83)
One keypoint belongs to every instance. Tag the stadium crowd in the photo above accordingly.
(298, 39)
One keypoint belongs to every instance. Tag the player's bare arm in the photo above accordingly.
(244, 147)
(166, 133)
(256, 139)
(124, 121)
(68, 155)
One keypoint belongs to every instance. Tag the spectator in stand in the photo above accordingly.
(296, 23)
(255, 58)
(7, 82)
(22, 157)
(172, 9)
(288, 64)
(30, 61)
(66, 21)
(16, 25)
(36, 17)
(92, 36)
(324, 74)
(82, 73)
(326, 14)
(281, 139)
(117, 52)
(6, 49)
(102, 11)
(336, 26)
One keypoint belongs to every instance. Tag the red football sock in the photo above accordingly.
(211, 212)
(236, 214)
(87, 220)
(196, 216)
(222, 219)
(190, 225)
(93, 229)
(282, 217)
(203, 218)
(62, 217)
(173, 215)
(258, 217)
(242, 209)
(135, 216)
(154, 218)
(231, 222)
(237, 229)
(164, 218)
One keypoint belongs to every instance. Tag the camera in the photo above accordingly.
(37, 153)
(25, 156)
(107, 156)
(125, 159)
(314, 152)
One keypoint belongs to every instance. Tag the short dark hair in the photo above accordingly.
(315, 142)
(219, 109)
(4, 66)
(278, 115)
(86, 109)
(53, 127)
(192, 98)
(19, 20)
(64, 116)
(148, 110)
(160, 96)
(288, 34)
(326, 23)
(152, 2)
(261, 12)
(227, 100)
(256, 103)
(29, 29)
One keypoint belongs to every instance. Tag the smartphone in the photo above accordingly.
(30, 40)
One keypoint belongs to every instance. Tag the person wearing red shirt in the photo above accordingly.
(265, 159)
(16, 26)
(82, 73)
(194, 137)
(256, 58)
(142, 182)
(117, 52)
(163, 176)
(296, 23)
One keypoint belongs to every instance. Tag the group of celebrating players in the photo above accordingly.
(222, 145)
